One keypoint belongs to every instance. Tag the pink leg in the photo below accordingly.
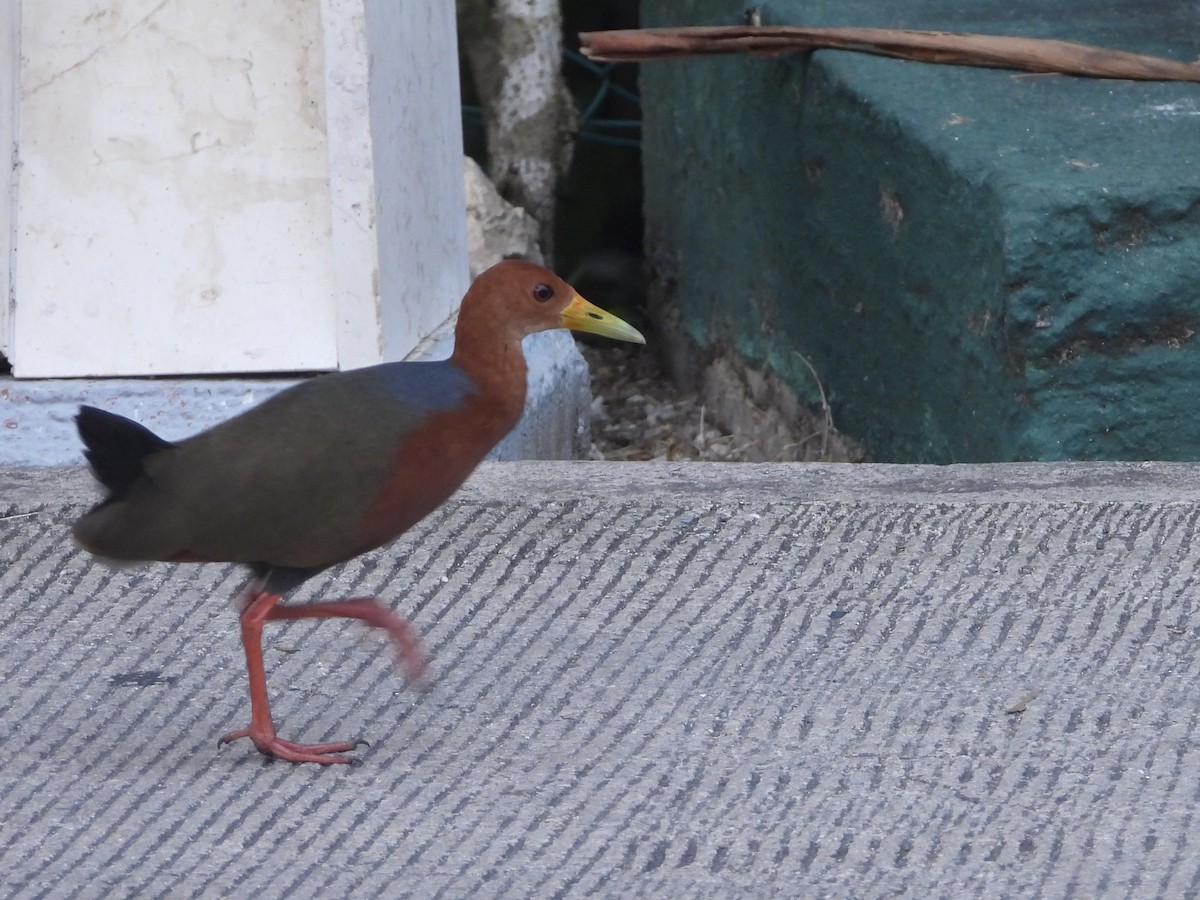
(372, 612)
(261, 606)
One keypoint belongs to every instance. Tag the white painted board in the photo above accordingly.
(185, 204)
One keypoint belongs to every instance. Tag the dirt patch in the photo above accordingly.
(639, 414)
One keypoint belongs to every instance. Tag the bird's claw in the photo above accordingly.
(276, 747)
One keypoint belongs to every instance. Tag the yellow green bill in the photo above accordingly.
(583, 316)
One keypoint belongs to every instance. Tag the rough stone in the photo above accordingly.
(979, 265)
(495, 228)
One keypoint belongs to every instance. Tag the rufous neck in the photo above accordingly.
(497, 368)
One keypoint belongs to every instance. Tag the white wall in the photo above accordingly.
(213, 186)
(418, 166)
(396, 151)
(9, 67)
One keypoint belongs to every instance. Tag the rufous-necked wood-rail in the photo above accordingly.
(328, 469)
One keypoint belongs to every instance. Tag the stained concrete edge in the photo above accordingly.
(1061, 482)
(27, 489)
(37, 428)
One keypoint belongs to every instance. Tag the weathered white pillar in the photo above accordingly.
(229, 186)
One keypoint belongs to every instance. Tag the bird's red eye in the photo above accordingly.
(543, 292)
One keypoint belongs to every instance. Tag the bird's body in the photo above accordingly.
(328, 469)
(307, 479)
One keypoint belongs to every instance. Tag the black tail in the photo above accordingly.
(116, 447)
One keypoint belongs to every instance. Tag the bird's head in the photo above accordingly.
(518, 298)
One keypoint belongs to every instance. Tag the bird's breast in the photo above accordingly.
(430, 465)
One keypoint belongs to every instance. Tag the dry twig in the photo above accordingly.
(946, 48)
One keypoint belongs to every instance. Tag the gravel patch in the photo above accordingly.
(639, 414)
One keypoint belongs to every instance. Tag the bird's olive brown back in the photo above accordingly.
(286, 483)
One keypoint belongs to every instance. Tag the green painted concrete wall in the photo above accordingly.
(980, 266)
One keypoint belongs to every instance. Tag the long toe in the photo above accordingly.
(271, 745)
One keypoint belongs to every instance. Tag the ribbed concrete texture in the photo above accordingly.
(693, 681)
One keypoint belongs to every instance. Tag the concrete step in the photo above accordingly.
(38, 428)
(978, 265)
(698, 680)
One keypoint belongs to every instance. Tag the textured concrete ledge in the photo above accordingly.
(35, 487)
(697, 680)
(36, 426)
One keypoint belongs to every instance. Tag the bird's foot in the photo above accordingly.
(272, 745)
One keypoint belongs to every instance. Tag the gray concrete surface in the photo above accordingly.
(687, 680)
(36, 414)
